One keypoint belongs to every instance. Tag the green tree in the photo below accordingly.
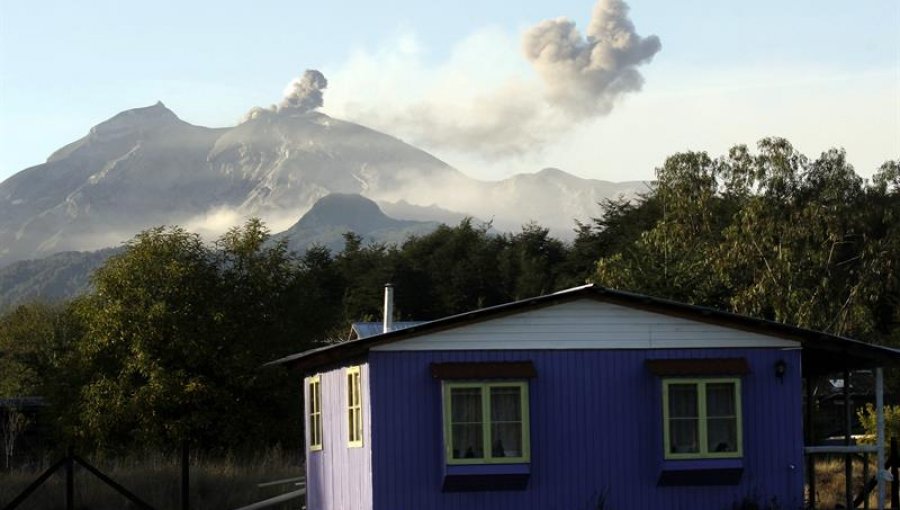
(449, 271)
(256, 275)
(35, 341)
(622, 223)
(675, 258)
(175, 335)
(531, 262)
(798, 251)
(153, 337)
(774, 235)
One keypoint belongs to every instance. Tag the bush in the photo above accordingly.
(868, 419)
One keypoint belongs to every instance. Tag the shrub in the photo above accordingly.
(868, 419)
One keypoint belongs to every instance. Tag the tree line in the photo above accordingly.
(169, 344)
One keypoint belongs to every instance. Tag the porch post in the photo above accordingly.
(848, 440)
(879, 435)
(810, 432)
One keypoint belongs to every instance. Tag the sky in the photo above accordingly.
(461, 79)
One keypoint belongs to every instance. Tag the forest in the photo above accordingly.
(169, 344)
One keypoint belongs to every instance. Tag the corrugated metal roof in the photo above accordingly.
(822, 352)
(367, 329)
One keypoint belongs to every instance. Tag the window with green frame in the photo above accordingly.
(702, 418)
(486, 422)
(314, 403)
(354, 408)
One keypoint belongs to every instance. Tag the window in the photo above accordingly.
(314, 401)
(702, 418)
(354, 408)
(486, 423)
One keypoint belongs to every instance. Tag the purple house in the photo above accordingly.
(583, 399)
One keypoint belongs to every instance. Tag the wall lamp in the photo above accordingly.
(780, 369)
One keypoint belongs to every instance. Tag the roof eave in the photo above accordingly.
(862, 354)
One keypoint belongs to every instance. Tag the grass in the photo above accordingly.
(230, 482)
(830, 482)
(216, 483)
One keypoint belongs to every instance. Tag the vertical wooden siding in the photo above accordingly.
(596, 427)
(339, 477)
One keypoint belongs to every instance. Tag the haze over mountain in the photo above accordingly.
(336, 214)
(67, 274)
(146, 167)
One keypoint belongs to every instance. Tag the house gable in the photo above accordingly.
(587, 324)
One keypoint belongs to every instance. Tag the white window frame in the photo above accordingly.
(354, 407)
(314, 412)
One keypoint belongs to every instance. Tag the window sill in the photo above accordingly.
(486, 477)
(701, 472)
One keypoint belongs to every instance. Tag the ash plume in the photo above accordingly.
(585, 75)
(576, 78)
(303, 94)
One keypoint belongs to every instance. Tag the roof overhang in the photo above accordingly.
(822, 353)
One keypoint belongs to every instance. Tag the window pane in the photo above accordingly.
(357, 422)
(684, 436)
(506, 440)
(721, 435)
(467, 441)
(466, 423)
(720, 399)
(506, 404)
(465, 405)
(682, 401)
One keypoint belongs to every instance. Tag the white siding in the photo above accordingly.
(587, 324)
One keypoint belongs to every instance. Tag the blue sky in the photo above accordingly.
(821, 73)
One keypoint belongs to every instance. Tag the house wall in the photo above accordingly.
(596, 428)
(339, 477)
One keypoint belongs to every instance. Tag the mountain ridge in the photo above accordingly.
(145, 167)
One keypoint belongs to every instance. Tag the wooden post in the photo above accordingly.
(879, 435)
(895, 472)
(865, 493)
(810, 459)
(70, 479)
(185, 476)
(848, 432)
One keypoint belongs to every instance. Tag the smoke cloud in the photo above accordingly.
(464, 108)
(585, 75)
(303, 94)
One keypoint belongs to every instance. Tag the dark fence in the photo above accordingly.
(892, 463)
(68, 463)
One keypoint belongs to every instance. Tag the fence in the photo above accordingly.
(67, 468)
(892, 463)
(68, 463)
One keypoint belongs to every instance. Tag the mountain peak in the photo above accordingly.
(137, 119)
(343, 209)
(552, 172)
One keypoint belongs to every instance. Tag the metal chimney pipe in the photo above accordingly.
(388, 307)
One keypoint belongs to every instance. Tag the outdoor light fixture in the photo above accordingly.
(780, 369)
